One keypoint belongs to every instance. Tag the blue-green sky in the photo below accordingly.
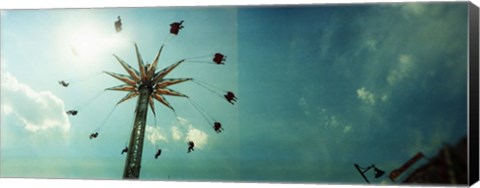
(319, 88)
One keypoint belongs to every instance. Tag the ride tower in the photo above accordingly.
(148, 85)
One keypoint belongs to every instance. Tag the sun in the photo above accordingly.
(90, 41)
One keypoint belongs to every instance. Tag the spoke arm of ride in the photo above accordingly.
(172, 81)
(130, 70)
(162, 99)
(128, 96)
(123, 87)
(153, 66)
(161, 74)
(124, 78)
(171, 92)
(141, 66)
(152, 105)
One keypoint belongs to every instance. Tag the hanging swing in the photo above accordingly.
(216, 59)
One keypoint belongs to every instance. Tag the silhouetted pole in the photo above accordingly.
(361, 172)
(135, 147)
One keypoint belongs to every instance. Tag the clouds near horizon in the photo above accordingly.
(35, 110)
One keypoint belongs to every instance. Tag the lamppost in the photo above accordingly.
(362, 171)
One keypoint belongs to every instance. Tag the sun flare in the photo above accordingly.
(88, 42)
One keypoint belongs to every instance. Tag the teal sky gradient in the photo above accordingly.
(319, 88)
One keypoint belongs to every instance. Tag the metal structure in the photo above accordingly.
(148, 85)
(378, 172)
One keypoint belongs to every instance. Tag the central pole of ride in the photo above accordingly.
(135, 147)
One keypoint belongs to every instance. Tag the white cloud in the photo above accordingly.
(182, 121)
(199, 137)
(303, 104)
(6, 110)
(371, 45)
(179, 128)
(154, 134)
(333, 121)
(402, 70)
(416, 9)
(176, 133)
(347, 128)
(384, 98)
(182, 127)
(366, 96)
(36, 110)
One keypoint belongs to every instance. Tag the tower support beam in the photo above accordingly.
(135, 147)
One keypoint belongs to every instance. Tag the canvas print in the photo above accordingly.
(321, 94)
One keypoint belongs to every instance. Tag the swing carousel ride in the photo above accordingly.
(149, 85)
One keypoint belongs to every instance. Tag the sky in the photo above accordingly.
(319, 88)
